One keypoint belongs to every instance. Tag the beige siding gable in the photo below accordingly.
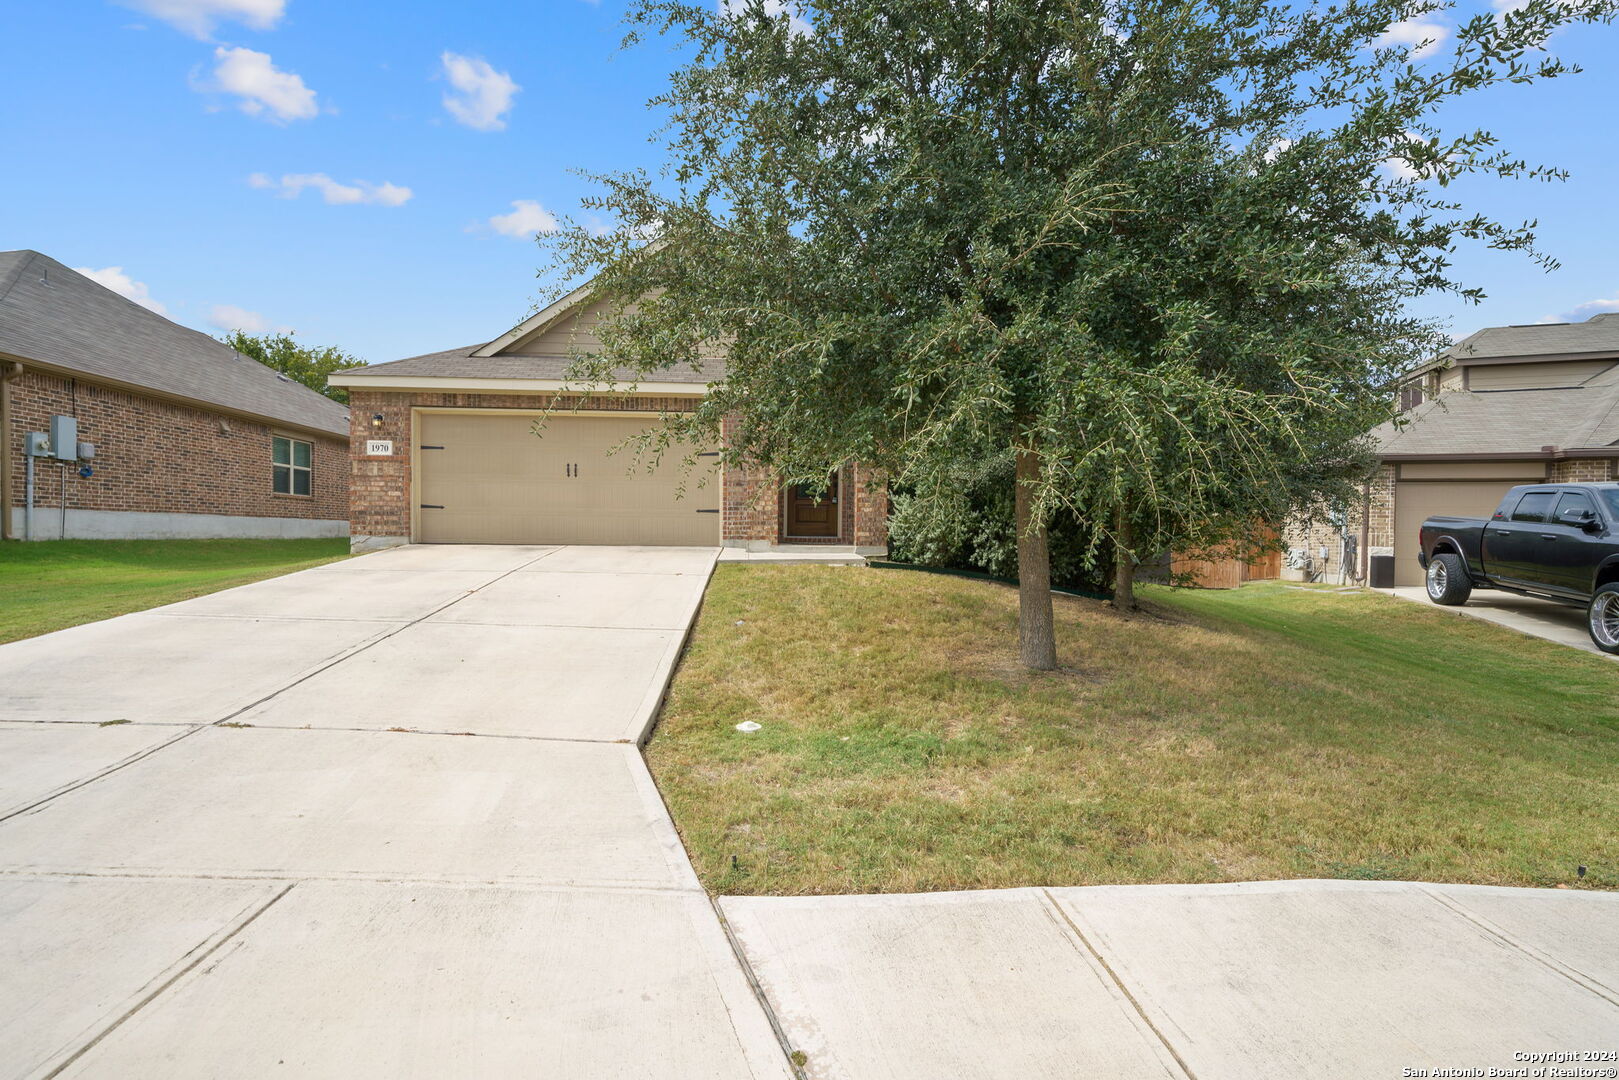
(1542, 376)
(573, 331)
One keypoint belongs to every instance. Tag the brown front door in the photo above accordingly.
(807, 517)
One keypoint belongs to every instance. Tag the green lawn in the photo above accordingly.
(52, 584)
(1266, 732)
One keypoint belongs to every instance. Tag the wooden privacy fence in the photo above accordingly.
(1226, 573)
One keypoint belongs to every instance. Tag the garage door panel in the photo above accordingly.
(500, 480)
(1416, 501)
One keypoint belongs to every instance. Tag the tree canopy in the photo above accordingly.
(1150, 257)
(308, 364)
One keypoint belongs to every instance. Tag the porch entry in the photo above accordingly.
(807, 518)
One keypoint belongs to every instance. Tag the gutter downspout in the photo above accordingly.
(1365, 559)
(10, 371)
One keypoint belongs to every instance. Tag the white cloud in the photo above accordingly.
(114, 278)
(526, 219)
(1399, 167)
(482, 95)
(197, 17)
(796, 22)
(1276, 149)
(230, 317)
(1423, 35)
(291, 185)
(1581, 312)
(1503, 6)
(265, 90)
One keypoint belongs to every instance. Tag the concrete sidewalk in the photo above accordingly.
(1217, 982)
(382, 818)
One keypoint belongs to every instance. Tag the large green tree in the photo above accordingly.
(1151, 258)
(308, 364)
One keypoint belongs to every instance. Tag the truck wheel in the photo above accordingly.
(1448, 582)
(1602, 619)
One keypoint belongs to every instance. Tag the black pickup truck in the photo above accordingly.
(1555, 541)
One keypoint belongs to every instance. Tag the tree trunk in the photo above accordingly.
(1124, 561)
(1036, 629)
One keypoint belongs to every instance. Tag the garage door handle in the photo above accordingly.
(431, 506)
(708, 511)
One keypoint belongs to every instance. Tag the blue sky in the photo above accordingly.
(343, 169)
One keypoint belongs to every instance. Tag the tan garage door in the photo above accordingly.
(1417, 500)
(487, 478)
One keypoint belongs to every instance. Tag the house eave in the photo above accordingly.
(179, 399)
(514, 386)
(1544, 454)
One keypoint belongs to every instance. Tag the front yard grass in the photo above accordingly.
(1266, 732)
(53, 584)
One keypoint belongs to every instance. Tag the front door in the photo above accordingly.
(809, 517)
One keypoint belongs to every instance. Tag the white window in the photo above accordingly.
(292, 462)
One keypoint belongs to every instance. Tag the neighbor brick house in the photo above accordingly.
(446, 450)
(1509, 405)
(191, 438)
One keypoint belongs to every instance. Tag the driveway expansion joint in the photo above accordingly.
(1065, 921)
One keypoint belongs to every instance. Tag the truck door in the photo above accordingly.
(1571, 554)
(1511, 545)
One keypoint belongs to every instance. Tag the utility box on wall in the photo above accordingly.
(65, 438)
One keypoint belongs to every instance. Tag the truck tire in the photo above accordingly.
(1602, 618)
(1447, 580)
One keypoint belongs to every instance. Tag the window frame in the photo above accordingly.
(291, 467)
(1551, 503)
(1574, 493)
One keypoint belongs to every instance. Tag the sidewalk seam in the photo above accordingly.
(83, 781)
(377, 640)
(176, 977)
(1573, 975)
(758, 989)
(1096, 954)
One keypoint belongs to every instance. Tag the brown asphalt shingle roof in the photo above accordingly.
(1598, 335)
(461, 364)
(52, 315)
(1514, 421)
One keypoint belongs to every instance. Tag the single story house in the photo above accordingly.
(1508, 405)
(446, 450)
(159, 431)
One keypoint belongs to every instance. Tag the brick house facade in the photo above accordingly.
(752, 512)
(499, 483)
(1506, 406)
(189, 454)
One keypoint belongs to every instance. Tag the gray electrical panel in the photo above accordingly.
(65, 438)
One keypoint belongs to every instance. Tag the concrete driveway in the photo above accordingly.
(384, 818)
(388, 818)
(1525, 614)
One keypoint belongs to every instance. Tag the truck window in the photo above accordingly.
(1534, 506)
(1611, 495)
(1574, 508)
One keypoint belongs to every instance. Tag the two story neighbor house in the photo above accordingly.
(1507, 405)
(191, 438)
(446, 450)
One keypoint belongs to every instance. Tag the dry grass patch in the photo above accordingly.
(1262, 733)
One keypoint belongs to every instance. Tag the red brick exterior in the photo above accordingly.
(158, 456)
(1583, 470)
(751, 505)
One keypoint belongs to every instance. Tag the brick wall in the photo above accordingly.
(1582, 471)
(158, 456)
(751, 508)
(1311, 537)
